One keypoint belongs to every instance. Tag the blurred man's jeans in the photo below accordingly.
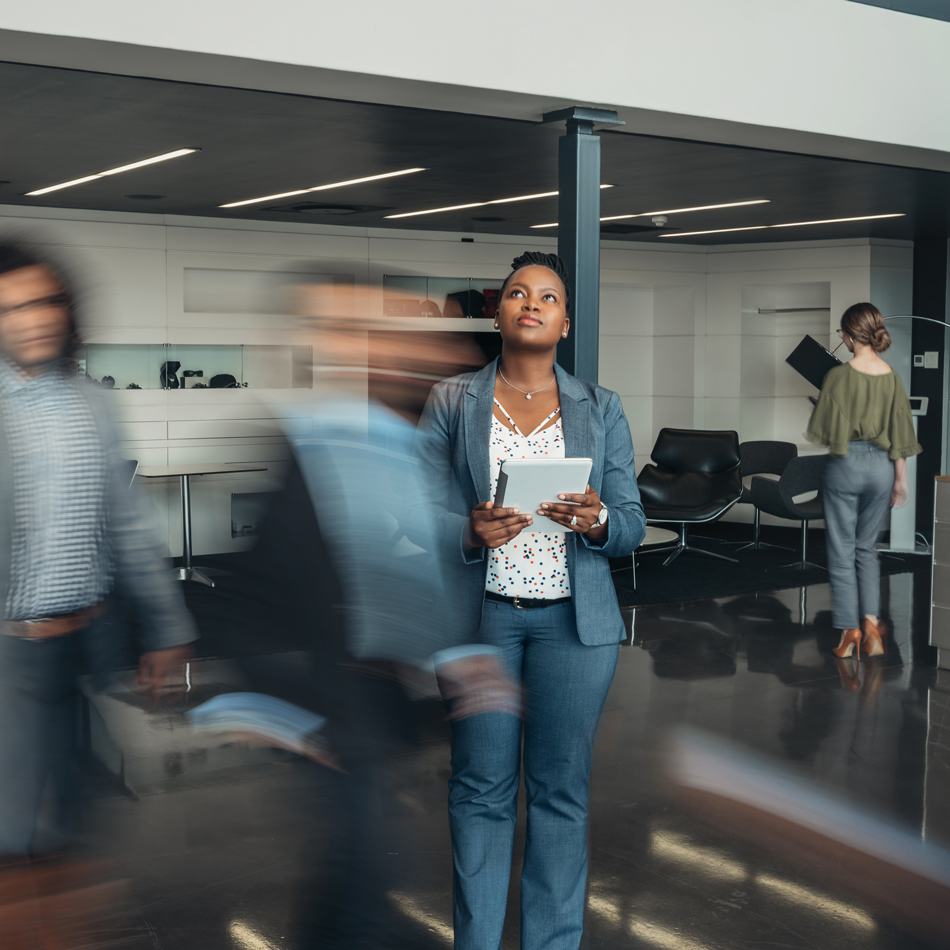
(566, 684)
(38, 722)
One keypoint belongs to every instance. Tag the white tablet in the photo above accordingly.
(526, 483)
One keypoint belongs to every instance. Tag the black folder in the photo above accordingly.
(812, 360)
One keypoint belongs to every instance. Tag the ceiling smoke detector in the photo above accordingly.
(660, 220)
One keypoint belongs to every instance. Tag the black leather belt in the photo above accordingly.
(525, 603)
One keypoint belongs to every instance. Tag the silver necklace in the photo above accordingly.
(526, 394)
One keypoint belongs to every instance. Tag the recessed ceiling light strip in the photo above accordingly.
(789, 224)
(334, 184)
(649, 214)
(164, 157)
(480, 204)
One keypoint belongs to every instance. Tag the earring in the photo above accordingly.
(564, 335)
(496, 326)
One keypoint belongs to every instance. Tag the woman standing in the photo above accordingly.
(545, 601)
(863, 416)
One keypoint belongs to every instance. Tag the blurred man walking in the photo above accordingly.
(69, 528)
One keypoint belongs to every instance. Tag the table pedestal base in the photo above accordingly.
(192, 574)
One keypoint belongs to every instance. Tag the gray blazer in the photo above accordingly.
(145, 577)
(454, 438)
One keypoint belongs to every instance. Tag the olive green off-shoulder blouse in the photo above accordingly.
(856, 407)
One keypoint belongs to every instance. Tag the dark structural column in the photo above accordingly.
(578, 236)
(930, 300)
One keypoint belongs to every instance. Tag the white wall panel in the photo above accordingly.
(675, 412)
(639, 413)
(626, 364)
(225, 428)
(674, 311)
(757, 419)
(139, 431)
(144, 454)
(723, 365)
(723, 413)
(264, 452)
(626, 310)
(673, 370)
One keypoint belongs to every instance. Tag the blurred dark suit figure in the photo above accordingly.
(361, 614)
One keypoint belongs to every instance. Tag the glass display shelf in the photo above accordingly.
(454, 297)
(192, 366)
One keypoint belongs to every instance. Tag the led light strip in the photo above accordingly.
(480, 204)
(650, 214)
(790, 224)
(335, 184)
(115, 171)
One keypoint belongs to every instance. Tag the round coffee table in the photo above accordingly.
(653, 538)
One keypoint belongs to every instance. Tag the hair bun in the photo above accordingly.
(863, 322)
(880, 339)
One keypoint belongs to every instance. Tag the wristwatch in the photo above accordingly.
(602, 517)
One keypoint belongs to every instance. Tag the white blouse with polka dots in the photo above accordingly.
(534, 564)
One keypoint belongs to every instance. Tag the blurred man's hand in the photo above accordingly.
(160, 666)
(477, 684)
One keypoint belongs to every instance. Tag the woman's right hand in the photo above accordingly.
(900, 495)
(490, 527)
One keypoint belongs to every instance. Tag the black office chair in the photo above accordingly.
(801, 475)
(763, 458)
(695, 480)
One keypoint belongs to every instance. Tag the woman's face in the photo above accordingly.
(532, 313)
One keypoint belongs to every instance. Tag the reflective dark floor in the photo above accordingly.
(213, 838)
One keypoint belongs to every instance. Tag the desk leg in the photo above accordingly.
(186, 520)
(186, 572)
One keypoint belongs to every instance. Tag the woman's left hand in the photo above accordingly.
(586, 508)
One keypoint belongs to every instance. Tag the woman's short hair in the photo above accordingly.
(863, 322)
(539, 259)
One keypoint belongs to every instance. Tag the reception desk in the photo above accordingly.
(940, 591)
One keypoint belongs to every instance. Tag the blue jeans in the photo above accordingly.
(566, 684)
(856, 494)
(38, 723)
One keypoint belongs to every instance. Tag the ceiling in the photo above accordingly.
(60, 124)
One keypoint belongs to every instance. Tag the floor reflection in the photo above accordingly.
(214, 849)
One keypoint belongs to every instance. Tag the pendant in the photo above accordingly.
(527, 395)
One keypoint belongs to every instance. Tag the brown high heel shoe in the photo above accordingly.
(850, 639)
(875, 635)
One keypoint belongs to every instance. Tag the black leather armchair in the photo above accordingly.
(695, 479)
(763, 458)
(801, 475)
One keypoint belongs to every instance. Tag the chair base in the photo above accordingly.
(682, 546)
(800, 565)
(804, 563)
(755, 544)
(759, 545)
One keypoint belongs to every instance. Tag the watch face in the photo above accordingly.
(602, 517)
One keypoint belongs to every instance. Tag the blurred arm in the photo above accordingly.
(434, 449)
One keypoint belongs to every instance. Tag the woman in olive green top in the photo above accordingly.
(863, 416)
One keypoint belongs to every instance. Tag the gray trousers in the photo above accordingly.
(857, 494)
(38, 755)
